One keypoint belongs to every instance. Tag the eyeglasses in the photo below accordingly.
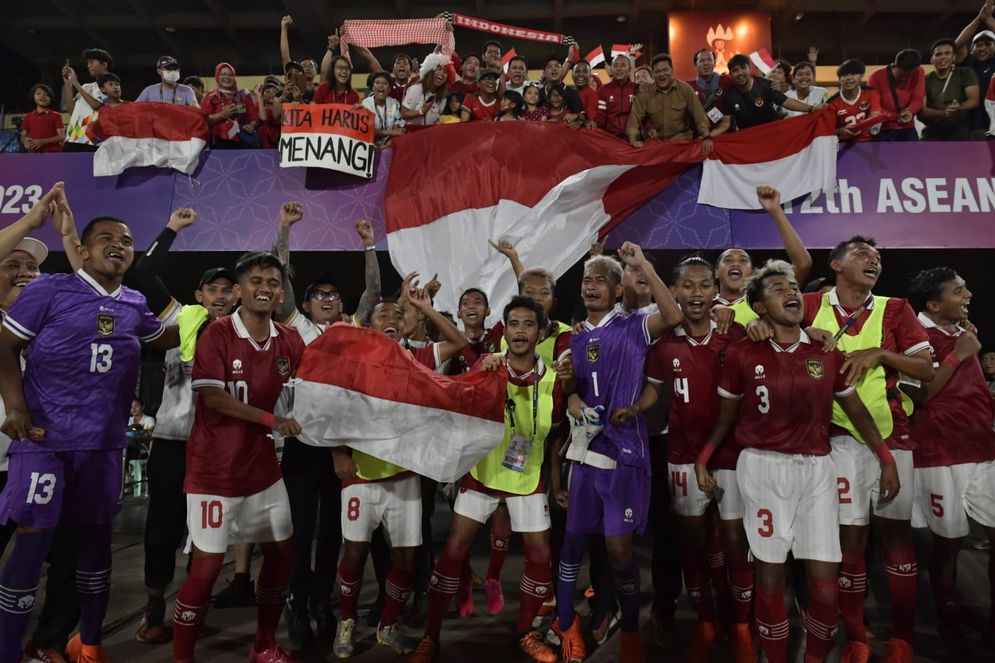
(325, 296)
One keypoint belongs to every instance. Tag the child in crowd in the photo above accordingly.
(42, 130)
(110, 85)
(558, 111)
(451, 113)
(267, 97)
(531, 109)
(511, 106)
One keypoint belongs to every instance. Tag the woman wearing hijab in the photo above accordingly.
(231, 112)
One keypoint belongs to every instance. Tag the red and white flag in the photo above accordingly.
(554, 203)
(506, 58)
(148, 134)
(596, 57)
(990, 108)
(359, 388)
(763, 61)
(620, 49)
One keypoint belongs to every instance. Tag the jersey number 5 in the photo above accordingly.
(100, 357)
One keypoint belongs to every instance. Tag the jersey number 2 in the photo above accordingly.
(100, 357)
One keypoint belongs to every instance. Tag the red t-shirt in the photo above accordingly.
(902, 333)
(589, 98)
(725, 82)
(479, 110)
(43, 125)
(955, 425)
(911, 94)
(848, 114)
(785, 394)
(463, 88)
(215, 102)
(489, 343)
(614, 106)
(691, 364)
(325, 95)
(398, 88)
(228, 456)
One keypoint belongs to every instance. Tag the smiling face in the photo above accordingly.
(850, 83)
(537, 289)
(642, 76)
(517, 73)
(522, 332)
(782, 301)
(860, 266)
(471, 68)
(733, 269)
(109, 250)
(740, 75)
(439, 77)
(582, 74)
(261, 290)
(943, 57)
(17, 270)
(488, 85)
(492, 55)
(342, 71)
(388, 318)
(310, 69)
(218, 297)
(694, 291)
(324, 304)
(955, 301)
(531, 95)
(380, 88)
(226, 77)
(599, 289)
(982, 49)
(663, 74)
(621, 68)
(473, 311)
(41, 98)
(803, 78)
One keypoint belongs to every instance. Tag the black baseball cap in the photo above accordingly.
(488, 73)
(167, 62)
(215, 273)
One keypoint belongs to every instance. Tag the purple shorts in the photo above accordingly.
(42, 487)
(610, 502)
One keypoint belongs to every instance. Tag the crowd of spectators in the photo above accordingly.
(637, 103)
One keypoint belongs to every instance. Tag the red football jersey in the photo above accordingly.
(955, 426)
(479, 110)
(487, 344)
(691, 366)
(902, 333)
(228, 456)
(785, 394)
(848, 114)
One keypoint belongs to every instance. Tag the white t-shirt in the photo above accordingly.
(175, 415)
(414, 100)
(83, 115)
(146, 422)
(816, 95)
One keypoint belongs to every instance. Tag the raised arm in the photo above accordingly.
(508, 250)
(147, 271)
(668, 314)
(371, 60)
(371, 295)
(285, 23)
(967, 34)
(67, 89)
(798, 255)
(69, 74)
(290, 213)
(12, 235)
(65, 225)
(454, 341)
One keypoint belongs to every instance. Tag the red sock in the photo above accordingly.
(696, 583)
(398, 587)
(443, 584)
(270, 586)
(350, 581)
(500, 540)
(902, 571)
(717, 571)
(853, 589)
(536, 585)
(772, 625)
(192, 603)
(740, 586)
(823, 616)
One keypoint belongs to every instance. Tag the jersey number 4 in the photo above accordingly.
(682, 390)
(100, 357)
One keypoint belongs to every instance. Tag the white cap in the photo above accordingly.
(34, 248)
(984, 34)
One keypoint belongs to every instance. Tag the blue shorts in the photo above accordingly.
(610, 502)
(86, 486)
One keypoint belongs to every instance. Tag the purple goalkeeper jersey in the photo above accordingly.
(609, 364)
(83, 350)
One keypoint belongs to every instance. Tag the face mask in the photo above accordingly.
(170, 76)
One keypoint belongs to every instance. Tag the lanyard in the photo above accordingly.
(851, 319)
(509, 405)
(174, 94)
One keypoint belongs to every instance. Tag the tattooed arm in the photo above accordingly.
(371, 295)
(290, 213)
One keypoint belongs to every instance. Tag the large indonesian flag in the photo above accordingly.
(148, 134)
(357, 387)
(552, 191)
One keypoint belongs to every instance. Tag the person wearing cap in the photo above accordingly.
(483, 105)
(308, 68)
(166, 517)
(981, 59)
(169, 90)
(424, 102)
(295, 87)
(98, 61)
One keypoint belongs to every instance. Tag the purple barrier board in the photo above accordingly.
(919, 195)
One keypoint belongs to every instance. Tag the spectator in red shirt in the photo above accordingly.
(467, 84)
(270, 113)
(853, 103)
(338, 88)
(231, 112)
(902, 86)
(615, 98)
(588, 93)
(42, 129)
(484, 104)
(709, 85)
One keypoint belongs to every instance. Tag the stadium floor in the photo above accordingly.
(482, 638)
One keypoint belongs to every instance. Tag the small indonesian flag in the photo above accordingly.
(763, 60)
(506, 59)
(148, 134)
(620, 49)
(359, 388)
(596, 57)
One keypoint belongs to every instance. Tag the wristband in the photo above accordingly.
(706, 453)
(884, 455)
(371, 248)
(952, 360)
(267, 420)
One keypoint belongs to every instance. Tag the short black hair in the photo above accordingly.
(471, 291)
(402, 56)
(519, 58)
(804, 64)
(516, 99)
(474, 56)
(738, 60)
(840, 249)
(518, 301)
(379, 74)
(784, 66)
(107, 78)
(492, 42)
(194, 81)
(290, 64)
(851, 66)
(927, 286)
(330, 75)
(88, 229)
(46, 89)
(138, 399)
(691, 261)
(908, 59)
(661, 57)
(261, 260)
(942, 41)
(698, 53)
(100, 55)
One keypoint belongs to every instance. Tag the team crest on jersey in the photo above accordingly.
(814, 368)
(283, 366)
(593, 353)
(489, 347)
(105, 325)
(864, 106)
(758, 102)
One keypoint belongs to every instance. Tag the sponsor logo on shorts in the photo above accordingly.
(746, 596)
(814, 368)
(759, 371)
(105, 325)
(628, 514)
(283, 366)
(236, 366)
(593, 352)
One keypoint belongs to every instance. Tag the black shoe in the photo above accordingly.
(324, 621)
(240, 593)
(299, 633)
(416, 615)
